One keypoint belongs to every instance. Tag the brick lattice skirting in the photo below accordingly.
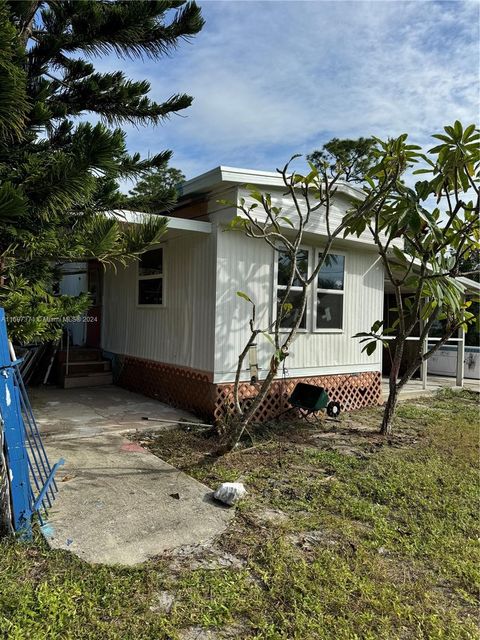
(194, 391)
(177, 386)
(353, 391)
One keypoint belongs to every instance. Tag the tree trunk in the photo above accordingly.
(232, 436)
(27, 26)
(389, 412)
(393, 389)
(235, 429)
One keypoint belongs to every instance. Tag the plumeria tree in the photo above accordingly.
(312, 194)
(424, 247)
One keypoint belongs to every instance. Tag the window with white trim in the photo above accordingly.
(325, 296)
(150, 278)
(330, 293)
(290, 315)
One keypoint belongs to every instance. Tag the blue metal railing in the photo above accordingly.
(29, 473)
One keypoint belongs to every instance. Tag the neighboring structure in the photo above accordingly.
(444, 362)
(174, 326)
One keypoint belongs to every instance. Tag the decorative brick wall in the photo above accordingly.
(194, 391)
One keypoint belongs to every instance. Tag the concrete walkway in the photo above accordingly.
(89, 411)
(117, 502)
(414, 388)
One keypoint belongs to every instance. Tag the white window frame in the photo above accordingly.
(317, 289)
(311, 305)
(277, 287)
(155, 276)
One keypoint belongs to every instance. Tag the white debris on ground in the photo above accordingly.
(230, 492)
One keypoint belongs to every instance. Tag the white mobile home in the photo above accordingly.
(174, 327)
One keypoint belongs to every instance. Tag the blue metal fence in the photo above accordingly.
(30, 477)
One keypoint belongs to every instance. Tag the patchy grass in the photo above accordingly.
(343, 536)
(52, 594)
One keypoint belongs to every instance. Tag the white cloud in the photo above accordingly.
(273, 78)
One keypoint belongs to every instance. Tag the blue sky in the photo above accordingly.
(274, 78)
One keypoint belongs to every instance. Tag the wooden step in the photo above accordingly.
(80, 354)
(87, 380)
(85, 366)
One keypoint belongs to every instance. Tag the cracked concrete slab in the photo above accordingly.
(117, 502)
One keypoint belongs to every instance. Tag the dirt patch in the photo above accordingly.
(201, 556)
(181, 447)
(198, 633)
(163, 602)
(353, 434)
(271, 517)
(309, 540)
(361, 441)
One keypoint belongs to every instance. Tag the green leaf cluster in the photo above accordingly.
(428, 234)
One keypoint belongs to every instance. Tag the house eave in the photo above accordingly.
(173, 223)
(472, 287)
(222, 175)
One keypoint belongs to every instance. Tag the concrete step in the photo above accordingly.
(87, 380)
(86, 366)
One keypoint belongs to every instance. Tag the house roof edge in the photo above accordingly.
(210, 180)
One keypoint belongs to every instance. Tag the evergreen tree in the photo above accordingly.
(13, 98)
(156, 191)
(353, 157)
(58, 174)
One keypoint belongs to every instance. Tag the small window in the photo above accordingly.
(330, 287)
(290, 314)
(150, 278)
(284, 262)
(331, 275)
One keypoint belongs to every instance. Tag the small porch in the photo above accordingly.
(461, 370)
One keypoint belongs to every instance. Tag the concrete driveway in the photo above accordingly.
(117, 502)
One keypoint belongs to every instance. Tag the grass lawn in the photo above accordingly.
(342, 536)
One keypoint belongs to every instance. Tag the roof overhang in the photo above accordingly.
(180, 224)
(221, 176)
(472, 287)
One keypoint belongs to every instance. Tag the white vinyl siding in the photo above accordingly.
(203, 324)
(341, 202)
(182, 331)
(244, 264)
(316, 223)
